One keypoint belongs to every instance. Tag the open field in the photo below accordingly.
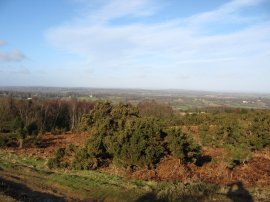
(178, 99)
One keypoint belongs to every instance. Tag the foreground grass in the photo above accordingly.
(72, 184)
(92, 185)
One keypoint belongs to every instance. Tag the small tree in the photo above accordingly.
(19, 130)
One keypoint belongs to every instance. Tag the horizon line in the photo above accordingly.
(144, 89)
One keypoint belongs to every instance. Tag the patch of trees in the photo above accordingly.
(22, 119)
(155, 109)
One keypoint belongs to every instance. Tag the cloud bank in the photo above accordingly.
(175, 40)
(116, 35)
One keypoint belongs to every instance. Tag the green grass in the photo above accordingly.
(93, 184)
(103, 186)
(81, 183)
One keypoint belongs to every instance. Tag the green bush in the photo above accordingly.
(19, 128)
(57, 161)
(249, 127)
(183, 146)
(260, 131)
(53, 163)
(239, 154)
(121, 136)
(84, 161)
(71, 149)
(139, 143)
(60, 153)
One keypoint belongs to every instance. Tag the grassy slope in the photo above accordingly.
(78, 185)
(70, 184)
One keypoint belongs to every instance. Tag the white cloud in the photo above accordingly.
(2, 42)
(171, 45)
(119, 8)
(227, 12)
(13, 56)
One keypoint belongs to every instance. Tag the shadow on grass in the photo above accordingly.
(21, 192)
(151, 197)
(238, 193)
(47, 142)
(203, 160)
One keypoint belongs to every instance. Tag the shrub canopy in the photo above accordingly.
(121, 135)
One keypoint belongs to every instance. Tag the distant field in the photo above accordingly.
(178, 99)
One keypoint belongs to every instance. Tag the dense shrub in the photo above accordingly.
(259, 133)
(183, 146)
(121, 136)
(56, 161)
(53, 163)
(139, 143)
(84, 161)
(239, 131)
(251, 128)
(71, 149)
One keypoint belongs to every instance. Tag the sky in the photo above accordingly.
(214, 45)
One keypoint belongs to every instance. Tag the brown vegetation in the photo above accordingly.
(256, 172)
(49, 143)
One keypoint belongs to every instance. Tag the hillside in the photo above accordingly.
(123, 152)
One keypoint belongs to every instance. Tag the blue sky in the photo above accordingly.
(217, 45)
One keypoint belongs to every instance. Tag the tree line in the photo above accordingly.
(20, 118)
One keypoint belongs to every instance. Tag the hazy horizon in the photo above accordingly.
(216, 45)
(144, 89)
